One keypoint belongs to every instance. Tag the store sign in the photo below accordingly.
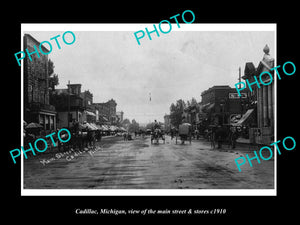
(236, 95)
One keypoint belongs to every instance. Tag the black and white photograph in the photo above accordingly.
(148, 111)
(170, 115)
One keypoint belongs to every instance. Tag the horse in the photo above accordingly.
(156, 135)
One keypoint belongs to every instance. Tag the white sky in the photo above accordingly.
(111, 64)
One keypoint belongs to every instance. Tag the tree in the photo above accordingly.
(192, 102)
(50, 67)
(176, 111)
(53, 78)
(126, 123)
(149, 125)
(134, 126)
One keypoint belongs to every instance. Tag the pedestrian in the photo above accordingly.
(234, 137)
(89, 138)
(197, 134)
(125, 136)
(93, 139)
(212, 137)
(99, 135)
(219, 136)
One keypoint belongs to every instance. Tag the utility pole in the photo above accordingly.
(68, 105)
(240, 78)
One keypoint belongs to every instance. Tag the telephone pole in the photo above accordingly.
(240, 78)
(68, 105)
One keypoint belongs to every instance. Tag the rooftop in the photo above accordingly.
(216, 87)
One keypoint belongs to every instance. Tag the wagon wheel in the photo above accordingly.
(190, 139)
(176, 139)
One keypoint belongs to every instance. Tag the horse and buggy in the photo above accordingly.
(156, 135)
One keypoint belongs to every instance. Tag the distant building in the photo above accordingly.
(106, 112)
(167, 123)
(36, 87)
(87, 97)
(89, 114)
(120, 116)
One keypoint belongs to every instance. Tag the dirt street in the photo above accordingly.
(136, 164)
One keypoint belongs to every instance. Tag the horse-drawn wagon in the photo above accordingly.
(184, 133)
(156, 134)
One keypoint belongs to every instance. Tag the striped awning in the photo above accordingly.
(244, 118)
(90, 113)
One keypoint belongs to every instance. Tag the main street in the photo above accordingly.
(138, 164)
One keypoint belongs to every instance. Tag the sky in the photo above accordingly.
(177, 65)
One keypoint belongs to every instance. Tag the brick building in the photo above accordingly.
(36, 87)
(106, 111)
(90, 112)
(222, 104)
(120, 116)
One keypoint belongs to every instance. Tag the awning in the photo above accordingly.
(113, 128)
(104, 127)
(90, 113)
(98, 126)
(103, 118)
(94, 125)
(33, 125)
(208, 107)
(89, 126)
(244, 118)
(121, 129)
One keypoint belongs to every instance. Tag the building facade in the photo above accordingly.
(87, 98)
(37, 107)
(167, 123)
(107, 113)
(89, 114)
(221, 104)
(262, 99)
(74, 106)
(69, 105)
(120, 116)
